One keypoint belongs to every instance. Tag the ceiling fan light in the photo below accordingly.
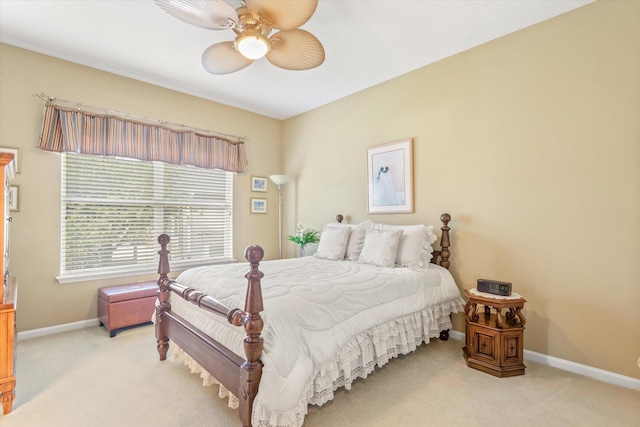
(252, 45)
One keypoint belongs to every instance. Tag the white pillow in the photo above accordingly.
(414, 249)
(356, 238)
(380, 247)
(333, 243)
(356, 241)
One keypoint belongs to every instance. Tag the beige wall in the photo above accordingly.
(532, 143)
(35, 231)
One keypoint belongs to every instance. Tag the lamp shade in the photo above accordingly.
(279, 179)
(252, 44)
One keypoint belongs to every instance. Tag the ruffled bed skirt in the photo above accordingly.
(356, 359)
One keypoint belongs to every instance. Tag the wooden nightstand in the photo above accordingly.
(494, 344)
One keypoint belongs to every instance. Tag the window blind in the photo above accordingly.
(113, 210)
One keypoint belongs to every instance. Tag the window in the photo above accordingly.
(114, 209)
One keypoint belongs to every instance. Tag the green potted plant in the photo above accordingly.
(303, 237)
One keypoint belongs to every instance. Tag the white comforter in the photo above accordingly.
(326, 323)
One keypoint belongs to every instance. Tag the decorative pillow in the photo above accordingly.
(356, 241)
(333, 243)
(380, 247)
(414, 249)
(356, 238)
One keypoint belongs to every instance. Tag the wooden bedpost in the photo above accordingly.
(253, 324)
(164, 294)
(444, 240)
(444, 256)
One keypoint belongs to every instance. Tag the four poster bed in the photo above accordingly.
(328, 319)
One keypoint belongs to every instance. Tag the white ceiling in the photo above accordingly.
(366, 42)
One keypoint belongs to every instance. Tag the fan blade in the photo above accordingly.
(222, 58)
(295, 50)
(283, 14)
(209, 14)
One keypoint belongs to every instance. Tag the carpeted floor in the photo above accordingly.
(86, 379)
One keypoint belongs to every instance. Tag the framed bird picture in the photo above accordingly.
(390, 177)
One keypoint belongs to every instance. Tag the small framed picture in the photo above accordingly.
(259, 183)
(14, 198)
(259, 206)
(16, 156)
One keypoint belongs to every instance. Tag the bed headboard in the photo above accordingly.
(440, 257)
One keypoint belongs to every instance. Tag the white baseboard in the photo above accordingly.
(587, 371)
(51, 330)
(576, 368)
(543, 359)
(456, 335)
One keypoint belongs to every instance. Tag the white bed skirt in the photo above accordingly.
(356, 359)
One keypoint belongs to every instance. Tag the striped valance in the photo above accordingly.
(76, 131)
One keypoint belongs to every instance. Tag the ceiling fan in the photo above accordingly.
(290, 47)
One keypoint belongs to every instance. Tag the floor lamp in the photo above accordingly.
(279, 180)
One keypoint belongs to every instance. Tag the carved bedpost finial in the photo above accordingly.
(253, 302)
(254, 254)
(339, 218)
(444, 240)
(253, 305)
(163, 265)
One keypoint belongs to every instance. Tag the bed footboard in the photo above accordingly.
(241, 376)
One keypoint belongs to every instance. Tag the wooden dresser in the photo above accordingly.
(8, 295)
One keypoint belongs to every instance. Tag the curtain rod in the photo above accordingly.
(80, 106)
